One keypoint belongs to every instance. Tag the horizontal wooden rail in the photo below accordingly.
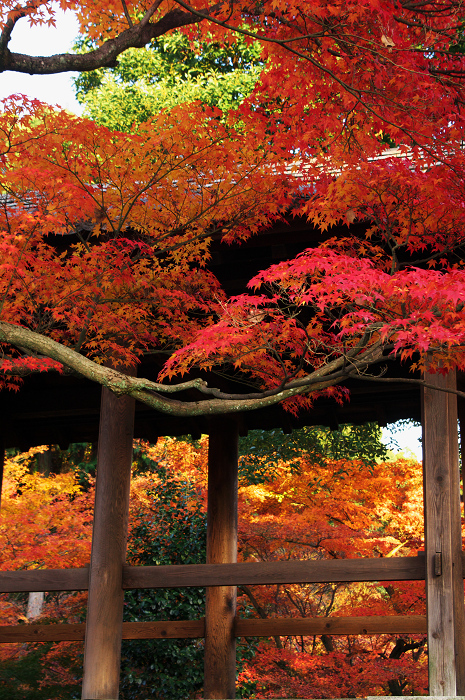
(44, 580)
(42, 633)
(191, 629)
(311, 571)
(169, 629)
(411, 624)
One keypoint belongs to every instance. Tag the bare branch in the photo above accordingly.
(126, 13)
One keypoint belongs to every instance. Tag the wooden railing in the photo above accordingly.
(203, 575)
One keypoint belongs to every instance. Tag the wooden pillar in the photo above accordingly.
(460, 589)
(220, 641)
(102, 652)
(443, 539)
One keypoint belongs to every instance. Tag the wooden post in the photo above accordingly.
(102, 652)
(459, 591)
(443, 539)
(220, 609)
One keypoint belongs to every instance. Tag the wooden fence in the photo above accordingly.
(244, 573)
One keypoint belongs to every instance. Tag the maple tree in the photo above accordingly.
(46, 522)
(339, 82)
(342, 509)
(325, 508)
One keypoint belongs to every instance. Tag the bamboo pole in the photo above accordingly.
(220, 609)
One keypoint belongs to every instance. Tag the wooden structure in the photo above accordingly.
(75, 418)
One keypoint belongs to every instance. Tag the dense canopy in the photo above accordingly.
(106, 234)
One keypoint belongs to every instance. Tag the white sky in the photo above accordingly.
(408, 440)
(43, 41)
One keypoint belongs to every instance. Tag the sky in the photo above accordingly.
(407, 438)
(59, 89)
(43, 41)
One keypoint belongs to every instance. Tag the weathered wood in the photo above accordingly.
(105, 607)
(411, 624)
(439, 433)
(249, 573)
(167, 629)
(461, 416)
(44, 580)
(195, 629)
(243, 573)
(456, 538)
(220, 605)
(42, 633)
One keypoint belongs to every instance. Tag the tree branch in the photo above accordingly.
(149, 392)
(261, 611)
(137, 36)
(153, 393)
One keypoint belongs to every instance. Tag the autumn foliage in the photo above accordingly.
(106, 235)
(335, 508)
(112, 260)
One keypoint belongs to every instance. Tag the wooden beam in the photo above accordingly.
(195, 629)
(243, 573)
(19, 634)
(168, 629)
(309, 626)
(249, 573)
(220, 606)
(456, 537)
(444, 577)
(165, 629)
(44, 580)
(109, 538)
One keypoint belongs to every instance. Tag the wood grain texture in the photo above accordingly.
(169, 629)
(439, 513)
(391, 569)
(42, 633)
(220, 603)
(249, 573)
(44, 580)
(109, 538)
(195, 629)
(412, 624)
(456, 537)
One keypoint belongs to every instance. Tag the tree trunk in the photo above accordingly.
(35, 603)
(220, 641)
(109, 539)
